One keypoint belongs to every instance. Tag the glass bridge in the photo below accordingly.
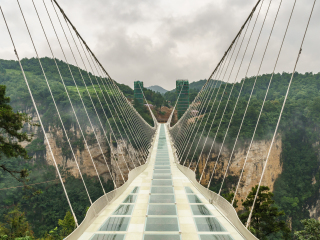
(161, 204)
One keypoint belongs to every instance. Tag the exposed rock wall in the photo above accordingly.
(112, 162)
(253, 169)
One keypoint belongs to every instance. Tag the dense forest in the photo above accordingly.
(296, 191)
(194, 88)
(44, 203)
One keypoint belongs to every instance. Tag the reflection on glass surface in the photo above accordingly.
(161, 189)
(161, 167)
(161, 176)
(193, 199)
(108, 237)
(162, 199)
(162, 224)
(123, 210)
(216, 237)
(200, 210)
(188, 190)
(130, 199)
(135, 190)
(116, 224)
(162, 182)
(208, 224)
(161, 237)
(162, 210)
(158, 171)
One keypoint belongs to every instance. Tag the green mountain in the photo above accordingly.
(157, 88)
(50, 206)
(194, 88)
(296, 190)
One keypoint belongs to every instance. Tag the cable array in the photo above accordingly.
(202, 140)
(102, 114)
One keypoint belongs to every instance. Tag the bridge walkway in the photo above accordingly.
(161, 203)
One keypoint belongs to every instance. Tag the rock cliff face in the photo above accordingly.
(253, 168)
(113, 162)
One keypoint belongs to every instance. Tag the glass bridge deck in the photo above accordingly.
(161, 204)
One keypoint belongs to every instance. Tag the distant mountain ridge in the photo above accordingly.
(198, 85)
(157, 88)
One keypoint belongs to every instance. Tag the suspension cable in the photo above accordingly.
(72, 106)
(82, 99)
(38, 115)
(212, 106)
(108, 105)
(261, 105)
(188, 129)
(95, 109)
(253, 87)
(206, 162)
(250, 15)
(280, 115)
(216, 163)
(54, 102)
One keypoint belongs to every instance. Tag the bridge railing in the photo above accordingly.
(219, 202)
(105, 200)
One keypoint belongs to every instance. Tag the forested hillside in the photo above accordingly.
(42, 211)
(296, 191)
(194, 88)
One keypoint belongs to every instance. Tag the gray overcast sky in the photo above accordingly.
(159, 41)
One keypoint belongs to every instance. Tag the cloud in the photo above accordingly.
(160, 41)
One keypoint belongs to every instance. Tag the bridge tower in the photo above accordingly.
(183, 101)
(138, 88)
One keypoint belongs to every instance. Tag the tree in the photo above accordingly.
(311, 230)
(158, 102)
(11, 124)
(265, 216)
(67, 224)
(15, 226)
(229, 196)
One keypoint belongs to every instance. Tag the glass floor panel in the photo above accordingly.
(208, 224)
(157, 171)
(193, 199)
(161, 182)
(215, 237)
(162, 210)
(162, 176)
(164, 224)
(135, 190)
(188, 190)
(115, 224)
(108, 237)
(162, 167)
(130, 199)
(200, 210)
(161, 189)
(162, 199)
(123, 210)
(161, 163)
(161, 237)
